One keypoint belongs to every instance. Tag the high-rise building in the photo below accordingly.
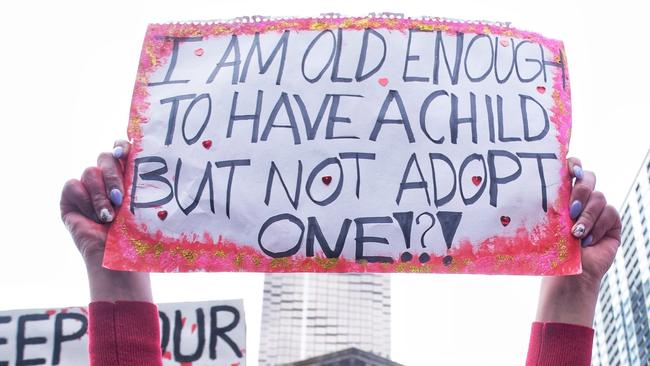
(621, 323)
(307, 315)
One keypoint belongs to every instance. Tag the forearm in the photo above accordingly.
(568, 299)
(112, 286)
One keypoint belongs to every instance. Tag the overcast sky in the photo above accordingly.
(66, 77)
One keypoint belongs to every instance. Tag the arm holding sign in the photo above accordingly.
(123, 321)
(562, 333)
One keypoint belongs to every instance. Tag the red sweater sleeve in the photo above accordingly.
(559, 344)
(124, 334)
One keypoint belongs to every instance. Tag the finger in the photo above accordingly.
(580, 194)
(94, 183)
(121, 149)
(113, 179)
(607, 221)
(75, 198)
(575, 168)
(590, 215)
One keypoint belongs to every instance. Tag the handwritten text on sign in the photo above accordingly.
(201, 333)
(347, 145)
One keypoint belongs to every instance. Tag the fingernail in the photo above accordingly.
(577, 172)
(587, 241)
(115, 195)
(578, 230)
(118, 151)
(575, 209)
(105, 215)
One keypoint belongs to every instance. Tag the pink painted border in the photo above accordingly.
(548, 249)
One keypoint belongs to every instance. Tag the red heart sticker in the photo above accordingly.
(327, 179)
(198, 52)
(541, 89)
(505, 220)
(162, 214)
(383, 81)
(504, 42)
(207, 144)
(477, 180)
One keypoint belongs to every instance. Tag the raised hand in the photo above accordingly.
(88, 206)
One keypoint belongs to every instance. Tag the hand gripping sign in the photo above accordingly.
(347, 145)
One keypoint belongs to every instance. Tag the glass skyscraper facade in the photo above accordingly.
(621, 323)
(307, 315)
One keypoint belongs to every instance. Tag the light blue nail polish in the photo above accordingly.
(118, 151)
(587, 241)
(115, 195)
(577, 172)
(575, 209)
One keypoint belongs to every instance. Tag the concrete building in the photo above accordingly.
(308, 315)
(621, 323)
(346, 357)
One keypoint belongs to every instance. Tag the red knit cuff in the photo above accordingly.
(125, 333)
(559, 344)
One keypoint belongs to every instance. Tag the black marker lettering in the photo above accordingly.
(269, 185)
(207, 179)
(199, 133)
(337, 59)
(59, 337)
(419, 184)
(242, 117)
(217, 332)
(22, 341)
(443, 200)
(453, 75)
(334, 117)
(171, 124)
(356, 156)
(361, 239)
(282, 101)
(329, 61)
(410, 58)
(496, 180)
(454, 120)
(173, 59)
(423, 114)
(393, 95)
(540, 171)
(154, 175)
(231, 164)
(4, 320)
(359, 75)
(523, 99)
(477, 195)
(312, 128)
(277, 218)
(502, 137)
(314, 232)
(467, 56)
(315, 173)
(178, 328)
(264, 66)
(232, 46)
(405, 222)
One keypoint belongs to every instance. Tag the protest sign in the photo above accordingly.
(347, 145)
(196, 333)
